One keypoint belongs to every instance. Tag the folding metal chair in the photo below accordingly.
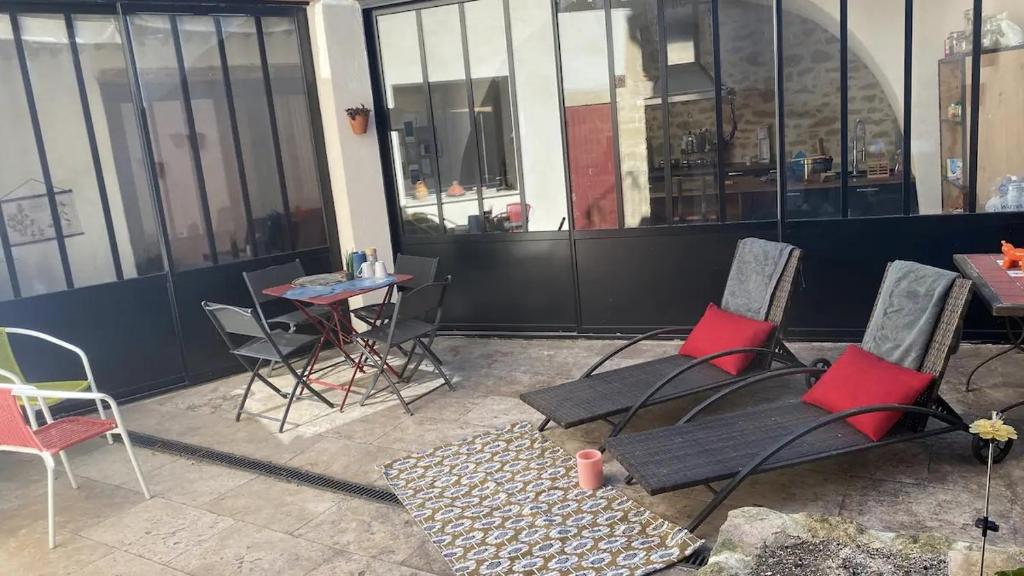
(416, 319)
(423, 271)
(271, 308)
(249, 339)
(55, 436)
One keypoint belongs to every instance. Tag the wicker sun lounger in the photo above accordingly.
(734, 445)
(603, 395)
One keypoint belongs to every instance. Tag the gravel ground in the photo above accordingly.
(832, 558)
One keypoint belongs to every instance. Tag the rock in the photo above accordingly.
(762, 542)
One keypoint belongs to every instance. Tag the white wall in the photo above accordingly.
(343, 81)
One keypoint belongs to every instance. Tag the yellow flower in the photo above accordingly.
(994, 429)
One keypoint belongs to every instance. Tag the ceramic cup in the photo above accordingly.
(379, 270)
(365, 270)
(590, 469)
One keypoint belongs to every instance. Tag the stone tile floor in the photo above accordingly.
(208, 520)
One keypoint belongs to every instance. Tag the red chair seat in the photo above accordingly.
(72, 430)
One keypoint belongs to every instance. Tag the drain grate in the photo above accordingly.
(287, 473)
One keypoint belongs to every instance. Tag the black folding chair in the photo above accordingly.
(415, 320)
(274, 310)
(423, 271)
(249, 339)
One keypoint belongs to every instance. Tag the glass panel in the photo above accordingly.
(875, 49)
(588, 113)
(171, 141)
(457, 160)
(812, 108)
(940, 106)
(637, 58)
(250, 103)
(210, 106)
(747, 46)
(492, 94)
(55, 88)
(121, 156)
(692, 135)
(23, 200)
(409, 128)
(296, 132)
(540, 133)
(1001, 121)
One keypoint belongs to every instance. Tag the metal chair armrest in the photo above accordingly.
(668, 379)
(755, 379)
(630, 343)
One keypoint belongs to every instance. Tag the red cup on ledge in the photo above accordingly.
(590, 469)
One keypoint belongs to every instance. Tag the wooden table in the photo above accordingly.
(1003, 293)
(336, 329)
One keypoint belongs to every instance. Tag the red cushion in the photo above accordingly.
(719, 330)
(860, 378)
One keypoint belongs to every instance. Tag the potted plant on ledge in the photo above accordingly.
(358, 118)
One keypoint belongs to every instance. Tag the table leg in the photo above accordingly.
(1017, 344)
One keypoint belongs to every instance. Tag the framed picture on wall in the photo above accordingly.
(26, 214)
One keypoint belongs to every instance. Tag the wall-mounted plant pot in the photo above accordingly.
(359, 123)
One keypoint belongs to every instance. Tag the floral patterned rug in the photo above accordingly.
(507, 502)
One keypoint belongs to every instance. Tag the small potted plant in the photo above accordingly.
(358, 118)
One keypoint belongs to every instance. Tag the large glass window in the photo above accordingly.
(119, 147)
(875, 70)
(472, 117)
(748, 110)
(295, 130)
(1001, 108)
(812, 86)
(230, 150)
(590, 136)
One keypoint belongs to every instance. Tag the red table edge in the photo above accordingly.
(281, 290)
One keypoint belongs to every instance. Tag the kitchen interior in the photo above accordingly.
(681, 149)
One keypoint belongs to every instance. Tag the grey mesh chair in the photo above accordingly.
(249, 339)
(423, 271)
(415, 321)
(271, 308)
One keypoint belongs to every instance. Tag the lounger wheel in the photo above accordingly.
(822, 363)
(979, 448)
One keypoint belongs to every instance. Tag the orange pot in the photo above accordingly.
(359, 124)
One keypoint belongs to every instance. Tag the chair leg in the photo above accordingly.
(288, 406)
(248, 387)
(437, 364)
(67, 469)
(50, 516)
(135, 462)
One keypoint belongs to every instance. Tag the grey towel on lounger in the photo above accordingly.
(755, 272)
(909, 303)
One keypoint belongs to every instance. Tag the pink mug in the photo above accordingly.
(590, 469)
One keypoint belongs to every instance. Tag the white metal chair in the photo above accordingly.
(9, 363)
(55, 436)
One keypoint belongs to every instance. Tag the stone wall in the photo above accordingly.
(811, 80)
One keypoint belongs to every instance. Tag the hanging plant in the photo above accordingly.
(358, 118)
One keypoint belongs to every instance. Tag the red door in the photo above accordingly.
(591, 166)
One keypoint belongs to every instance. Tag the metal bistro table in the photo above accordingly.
(336, 329)
(1003, 293)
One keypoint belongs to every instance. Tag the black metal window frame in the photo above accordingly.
(370, 16)
(120, 12)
